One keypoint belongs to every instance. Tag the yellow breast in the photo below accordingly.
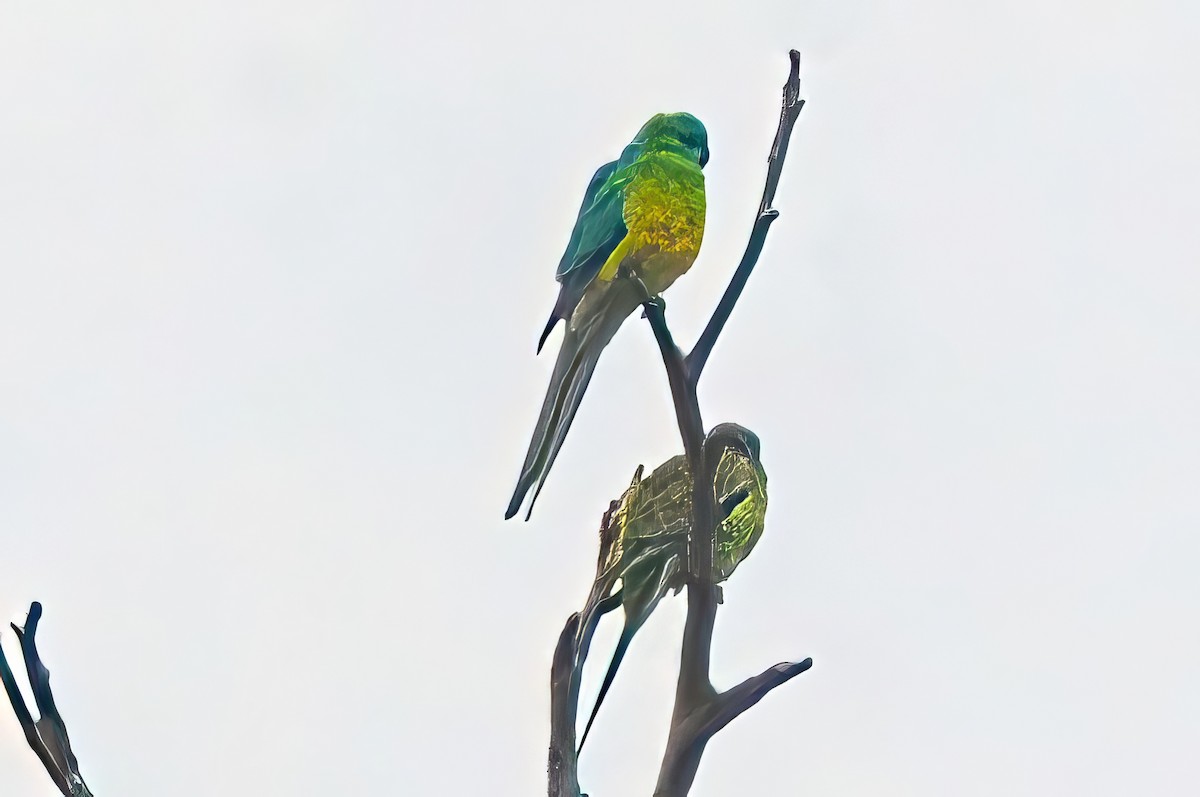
(664, 216)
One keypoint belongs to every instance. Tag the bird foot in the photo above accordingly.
(648, 299)
(657, 302)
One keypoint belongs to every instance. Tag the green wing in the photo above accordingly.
(583, 221)
(741, 492)
(655, 514)
(652, 521)
(598, 229)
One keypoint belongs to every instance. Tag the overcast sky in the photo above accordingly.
(271, 277)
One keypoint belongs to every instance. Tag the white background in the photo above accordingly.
(271, 276)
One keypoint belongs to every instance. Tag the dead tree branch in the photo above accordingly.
(700, 711)
(47, 736)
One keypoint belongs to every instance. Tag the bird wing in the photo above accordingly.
(740, 487)
(599, 227)
(651, 557)
(589, 198)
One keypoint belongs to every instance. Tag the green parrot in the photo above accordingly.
(639, 229)
(652, 521)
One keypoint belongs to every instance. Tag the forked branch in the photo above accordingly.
(47, 737)
(792, 105)
(700, 711)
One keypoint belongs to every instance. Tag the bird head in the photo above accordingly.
(680, 132)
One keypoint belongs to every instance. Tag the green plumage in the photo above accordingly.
(639, 228)
(652, 521)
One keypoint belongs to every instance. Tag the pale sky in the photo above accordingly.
(272, 277)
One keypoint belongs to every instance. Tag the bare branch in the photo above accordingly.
(792, 104)
(567, 669)
(687, 407)
(47, 737)
(562, 770)
(690, 737)
(699, 710)
(732, 702)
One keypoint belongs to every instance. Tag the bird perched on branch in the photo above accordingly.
(638, 230)
(647, 534)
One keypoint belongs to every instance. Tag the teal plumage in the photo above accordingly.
(639, 228)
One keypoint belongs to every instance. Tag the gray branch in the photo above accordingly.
(47, 737)
(700, 711)
(567, 669)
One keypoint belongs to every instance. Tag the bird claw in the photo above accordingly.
(648, 299)
(657, 302)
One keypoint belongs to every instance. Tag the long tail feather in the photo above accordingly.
(618, 655)
(639, 597)
(573, 370)
(554, 319)
(563, 306)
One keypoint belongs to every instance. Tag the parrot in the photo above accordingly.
(638, 230)
(653, 518)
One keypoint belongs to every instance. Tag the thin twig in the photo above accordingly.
(48, 735)
(681, 761)
(792, 104)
